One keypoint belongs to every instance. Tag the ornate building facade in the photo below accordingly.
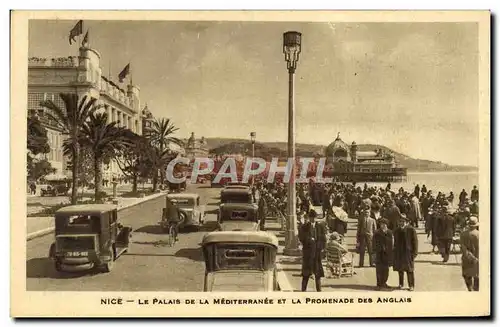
(343, 159)
(48, 77)
(195, 147)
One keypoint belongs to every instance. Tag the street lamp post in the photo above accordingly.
(252, 138)
(292, 42)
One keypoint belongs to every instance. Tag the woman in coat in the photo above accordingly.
(405, 251)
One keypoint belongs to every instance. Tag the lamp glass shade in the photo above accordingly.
(292, 46)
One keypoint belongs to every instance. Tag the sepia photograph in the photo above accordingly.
(294, 163)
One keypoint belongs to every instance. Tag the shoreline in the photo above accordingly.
(441, 172)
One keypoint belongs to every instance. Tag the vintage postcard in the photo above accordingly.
(250, 164)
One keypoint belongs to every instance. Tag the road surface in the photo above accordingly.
(149, 265)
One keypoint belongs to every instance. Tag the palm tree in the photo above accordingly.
(70, 120)
(105, 139)
(134, 160)
(160, 136)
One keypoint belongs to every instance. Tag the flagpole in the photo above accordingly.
(109, 70)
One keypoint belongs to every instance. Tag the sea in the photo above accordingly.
(445, 182)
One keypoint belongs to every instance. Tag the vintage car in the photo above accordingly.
(240, 262)
(238, 217)
(88, 236)
(237, 185)
(188, 204)
(55, 188)
(176, 187)
(236, 195)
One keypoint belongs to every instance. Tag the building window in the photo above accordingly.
(34, 100)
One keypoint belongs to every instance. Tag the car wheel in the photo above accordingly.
(108, 266)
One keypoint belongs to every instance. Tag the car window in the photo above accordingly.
(82, 220)
(239, 257)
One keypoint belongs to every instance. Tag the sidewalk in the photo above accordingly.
(40, 226)
(430, 273)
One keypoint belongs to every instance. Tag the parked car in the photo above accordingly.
(240, 262)
(189, 205)
(54, 188)
(88, 236)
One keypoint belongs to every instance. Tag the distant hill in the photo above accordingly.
(279, 149)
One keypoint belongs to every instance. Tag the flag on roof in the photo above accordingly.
(124, 73)
(75, 31)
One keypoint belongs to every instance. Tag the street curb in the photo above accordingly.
(39, 233)
(49, 230)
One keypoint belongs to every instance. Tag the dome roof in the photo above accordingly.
(336, 145)
(146, 112)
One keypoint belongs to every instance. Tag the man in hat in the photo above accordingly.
(405, 252)
(469, 245)
(364, 236)
(383, 252)
(445, 232)
(474, 194)
(312, 235)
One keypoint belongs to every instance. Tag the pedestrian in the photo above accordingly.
(405, 252)
(474, 194)
(462, 197)
(326, 204)
(262, 210)
(364, 236)
(433, 222)
(469, 244)
(445, 233)
(383, 251)
(414, 214)
(474, 208)
(393, 214)
(33, 188)
(424, 189)
(312, 235)
(417, 191)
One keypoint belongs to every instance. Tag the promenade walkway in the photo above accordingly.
(430, 273)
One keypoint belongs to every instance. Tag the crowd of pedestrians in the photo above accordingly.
(387, 223)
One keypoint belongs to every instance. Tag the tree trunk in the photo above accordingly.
(74, 170)
(97, 178)
(162, 176)
(155, 179)
(134, 184)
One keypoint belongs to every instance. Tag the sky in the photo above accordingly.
(410, 86)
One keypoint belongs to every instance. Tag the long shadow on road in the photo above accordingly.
(194, 254)
(208, 226)
(44, 268)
